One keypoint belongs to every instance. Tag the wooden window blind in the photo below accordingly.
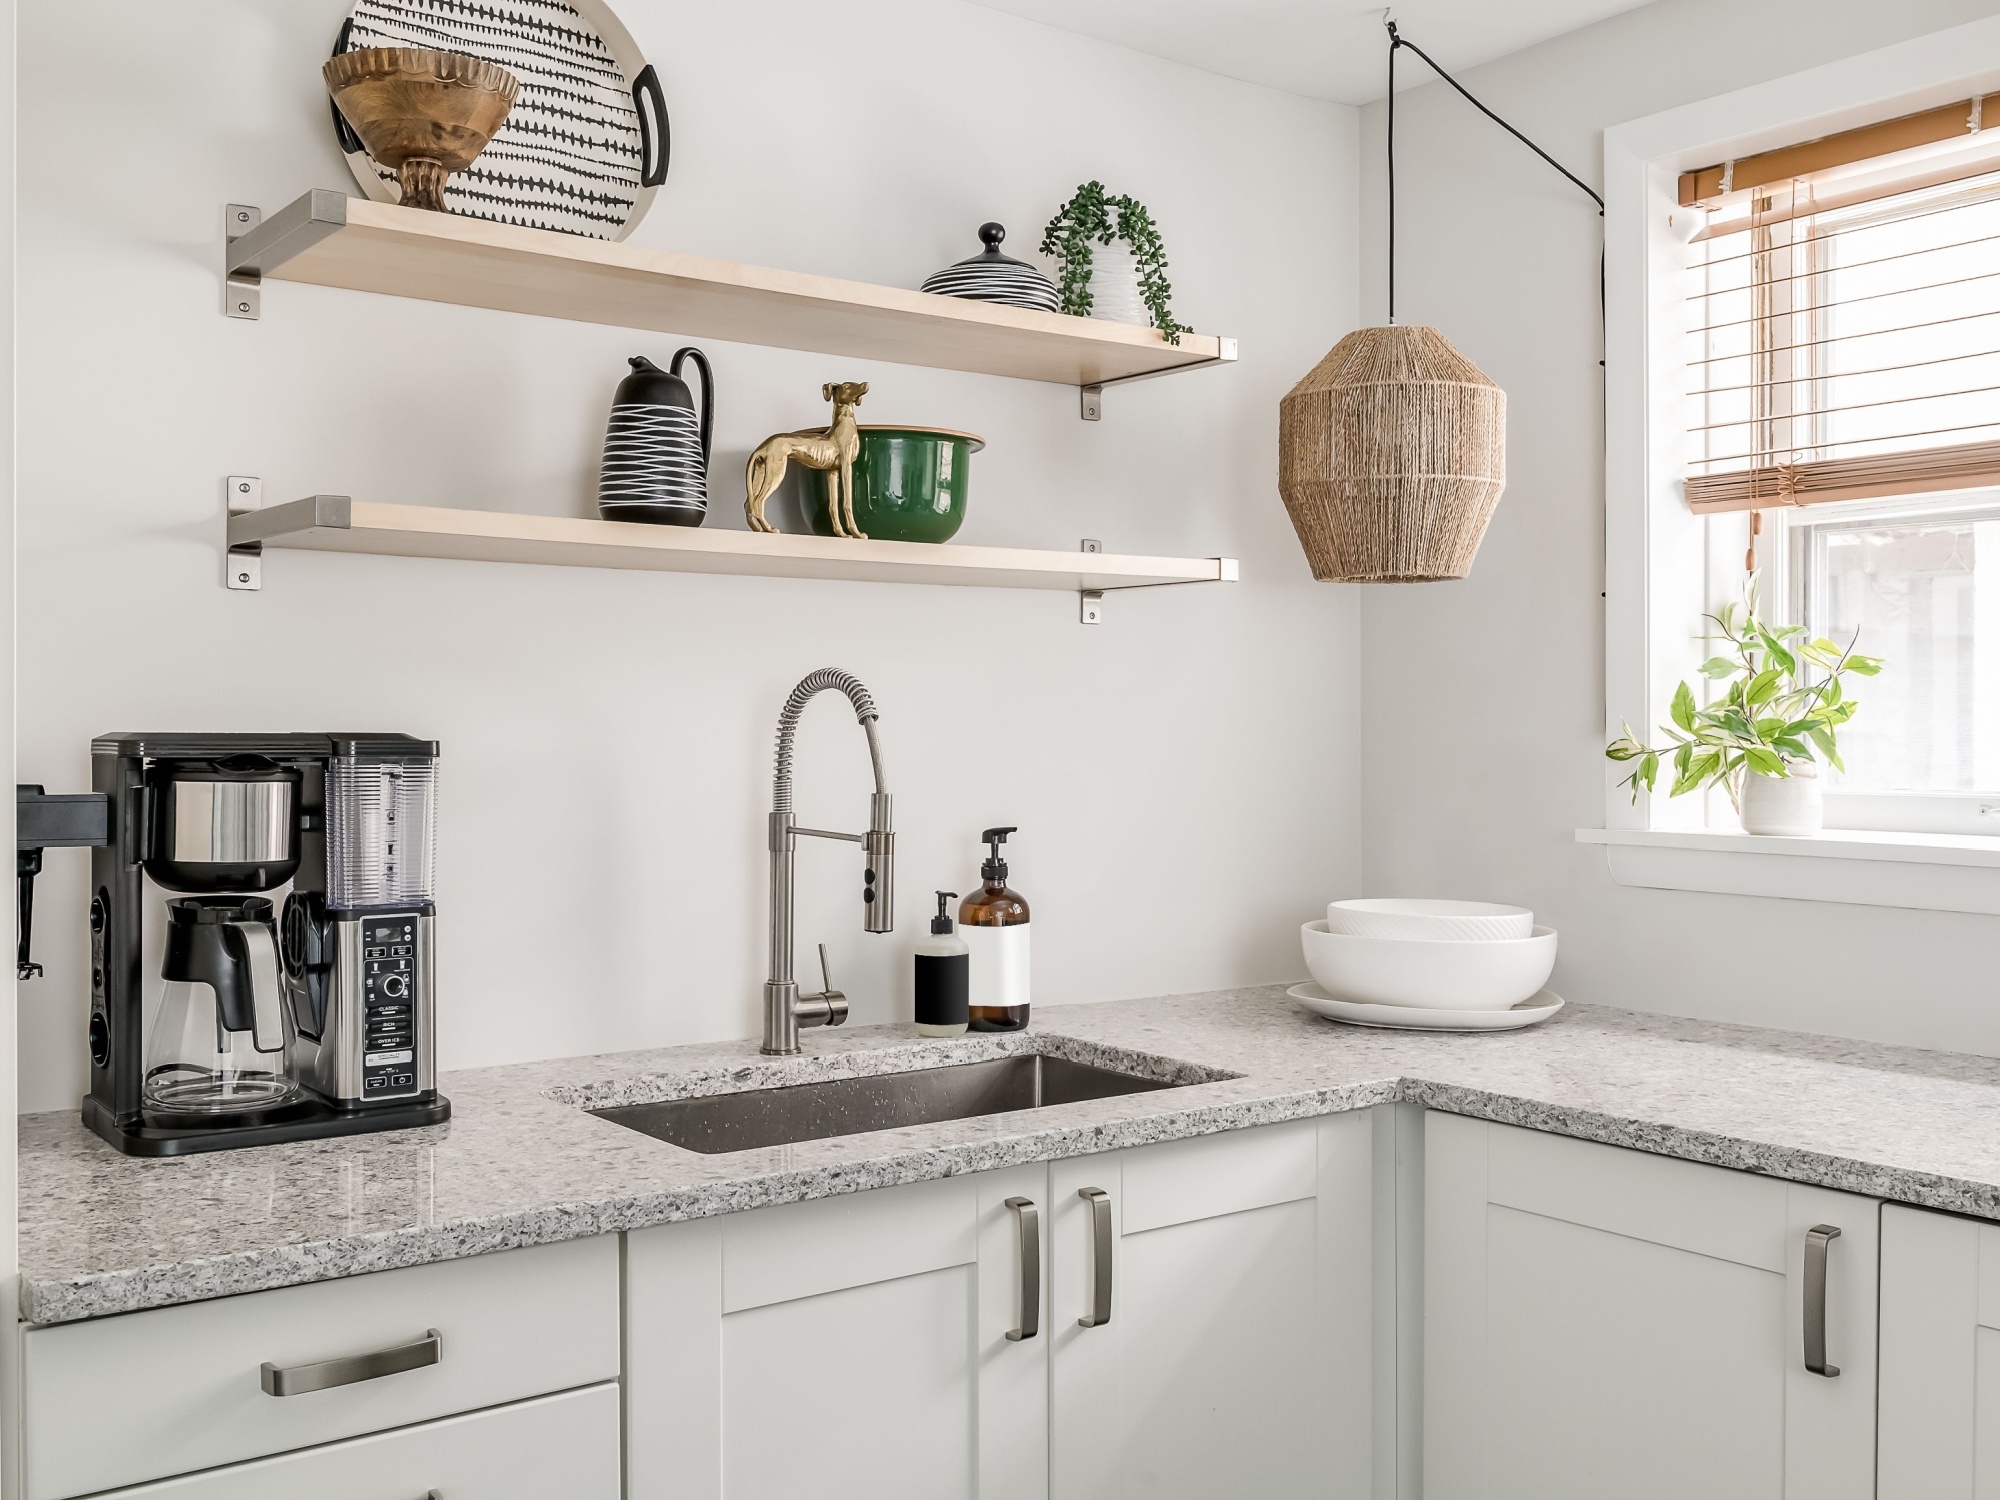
(1845, 321)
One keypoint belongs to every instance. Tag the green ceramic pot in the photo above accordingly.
(909, 485)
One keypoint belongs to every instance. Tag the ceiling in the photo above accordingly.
(1326, 49)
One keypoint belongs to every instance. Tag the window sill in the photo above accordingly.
(1922, 871)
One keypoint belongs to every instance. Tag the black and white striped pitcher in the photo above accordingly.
(655, 453)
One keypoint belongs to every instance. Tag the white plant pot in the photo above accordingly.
(1114, 285)
(1784, 806)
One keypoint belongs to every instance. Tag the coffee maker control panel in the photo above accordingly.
(389, 980)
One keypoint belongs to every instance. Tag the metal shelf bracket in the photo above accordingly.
(253, 247)
(1093, 395)
(1090, 602)
(250, 526)
(242, 290)
(244, 561)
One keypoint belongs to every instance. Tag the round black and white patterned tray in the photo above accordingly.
(585, 147)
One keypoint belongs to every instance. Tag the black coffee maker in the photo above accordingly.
(266, 1025)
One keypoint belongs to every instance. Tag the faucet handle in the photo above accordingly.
(829, 1007)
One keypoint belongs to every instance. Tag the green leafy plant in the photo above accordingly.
(1092, 215)
(1772, 717)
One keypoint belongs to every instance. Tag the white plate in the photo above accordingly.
(1535, 1008)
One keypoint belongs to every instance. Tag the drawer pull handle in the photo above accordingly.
(1817, 1239)
(1100, 1257)
(1027, 1224)
(297, 1380)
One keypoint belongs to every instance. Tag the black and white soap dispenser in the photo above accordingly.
(944, 971)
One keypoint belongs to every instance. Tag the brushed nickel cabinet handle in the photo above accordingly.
(1817, 1239)
(1100, 1257)
(298, 1380)
(1028, 1225)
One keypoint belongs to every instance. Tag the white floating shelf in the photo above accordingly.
(335, 523)
(330, 239)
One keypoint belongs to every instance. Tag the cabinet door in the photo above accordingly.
(1940, 1400)
(1600, 1321)
(846, 1347)
(1236, 1359)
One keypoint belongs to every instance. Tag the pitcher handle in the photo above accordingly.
(707, 394)
(267, 1026)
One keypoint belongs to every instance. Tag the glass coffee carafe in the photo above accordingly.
(219, 1040)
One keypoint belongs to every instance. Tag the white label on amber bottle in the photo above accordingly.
(999, 964)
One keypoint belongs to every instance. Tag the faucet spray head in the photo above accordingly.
(878, 878)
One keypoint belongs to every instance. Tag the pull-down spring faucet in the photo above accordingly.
(785, 1009)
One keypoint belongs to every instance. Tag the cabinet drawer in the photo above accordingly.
(563, 1445)
(122, 1400)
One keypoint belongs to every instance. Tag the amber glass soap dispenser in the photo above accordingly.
(993, 921)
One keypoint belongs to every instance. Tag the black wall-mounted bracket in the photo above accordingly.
(67, 820)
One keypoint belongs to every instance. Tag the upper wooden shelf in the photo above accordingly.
(337, 523)
(330, 239)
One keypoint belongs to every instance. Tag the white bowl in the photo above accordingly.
(1429, 921)
(1449, 975)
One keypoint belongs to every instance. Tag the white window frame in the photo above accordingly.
(1657, 566)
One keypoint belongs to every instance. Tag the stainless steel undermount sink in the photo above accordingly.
(716, 1123)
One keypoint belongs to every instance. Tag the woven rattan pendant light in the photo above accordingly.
(1392, 452)
(1391, 456)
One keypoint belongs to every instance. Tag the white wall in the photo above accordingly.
(1184, 776)
(1483, 700)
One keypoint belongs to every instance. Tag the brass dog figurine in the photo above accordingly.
(832, 449)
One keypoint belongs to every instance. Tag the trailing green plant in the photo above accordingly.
(1772, 716)
(1092, 215)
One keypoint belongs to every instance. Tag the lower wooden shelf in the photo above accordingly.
(336, 523)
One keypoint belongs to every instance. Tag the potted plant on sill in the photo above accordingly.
(1759, 741)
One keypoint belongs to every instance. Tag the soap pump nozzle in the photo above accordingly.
(941, 924)
(995, 868)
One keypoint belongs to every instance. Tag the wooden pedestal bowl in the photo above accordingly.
(422, 114)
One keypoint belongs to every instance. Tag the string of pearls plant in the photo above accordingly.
(1093, 216)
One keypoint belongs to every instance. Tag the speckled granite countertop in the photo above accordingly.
(520, 1163)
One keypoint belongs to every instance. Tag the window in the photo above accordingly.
(1921, 583)
(1843, 436)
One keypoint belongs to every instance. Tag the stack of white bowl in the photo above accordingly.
(1430, 955)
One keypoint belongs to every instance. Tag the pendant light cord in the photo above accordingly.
(1396, 44)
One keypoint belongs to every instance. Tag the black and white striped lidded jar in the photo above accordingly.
(655, 451)
(992, 277)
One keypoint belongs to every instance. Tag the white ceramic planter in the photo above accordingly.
(1784, 806)
(1114, 285)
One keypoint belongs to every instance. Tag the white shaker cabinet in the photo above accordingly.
(850, 1348)
(1940, 1371)
(1602, 1322)
(1210, 1317)
(857, 1348)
